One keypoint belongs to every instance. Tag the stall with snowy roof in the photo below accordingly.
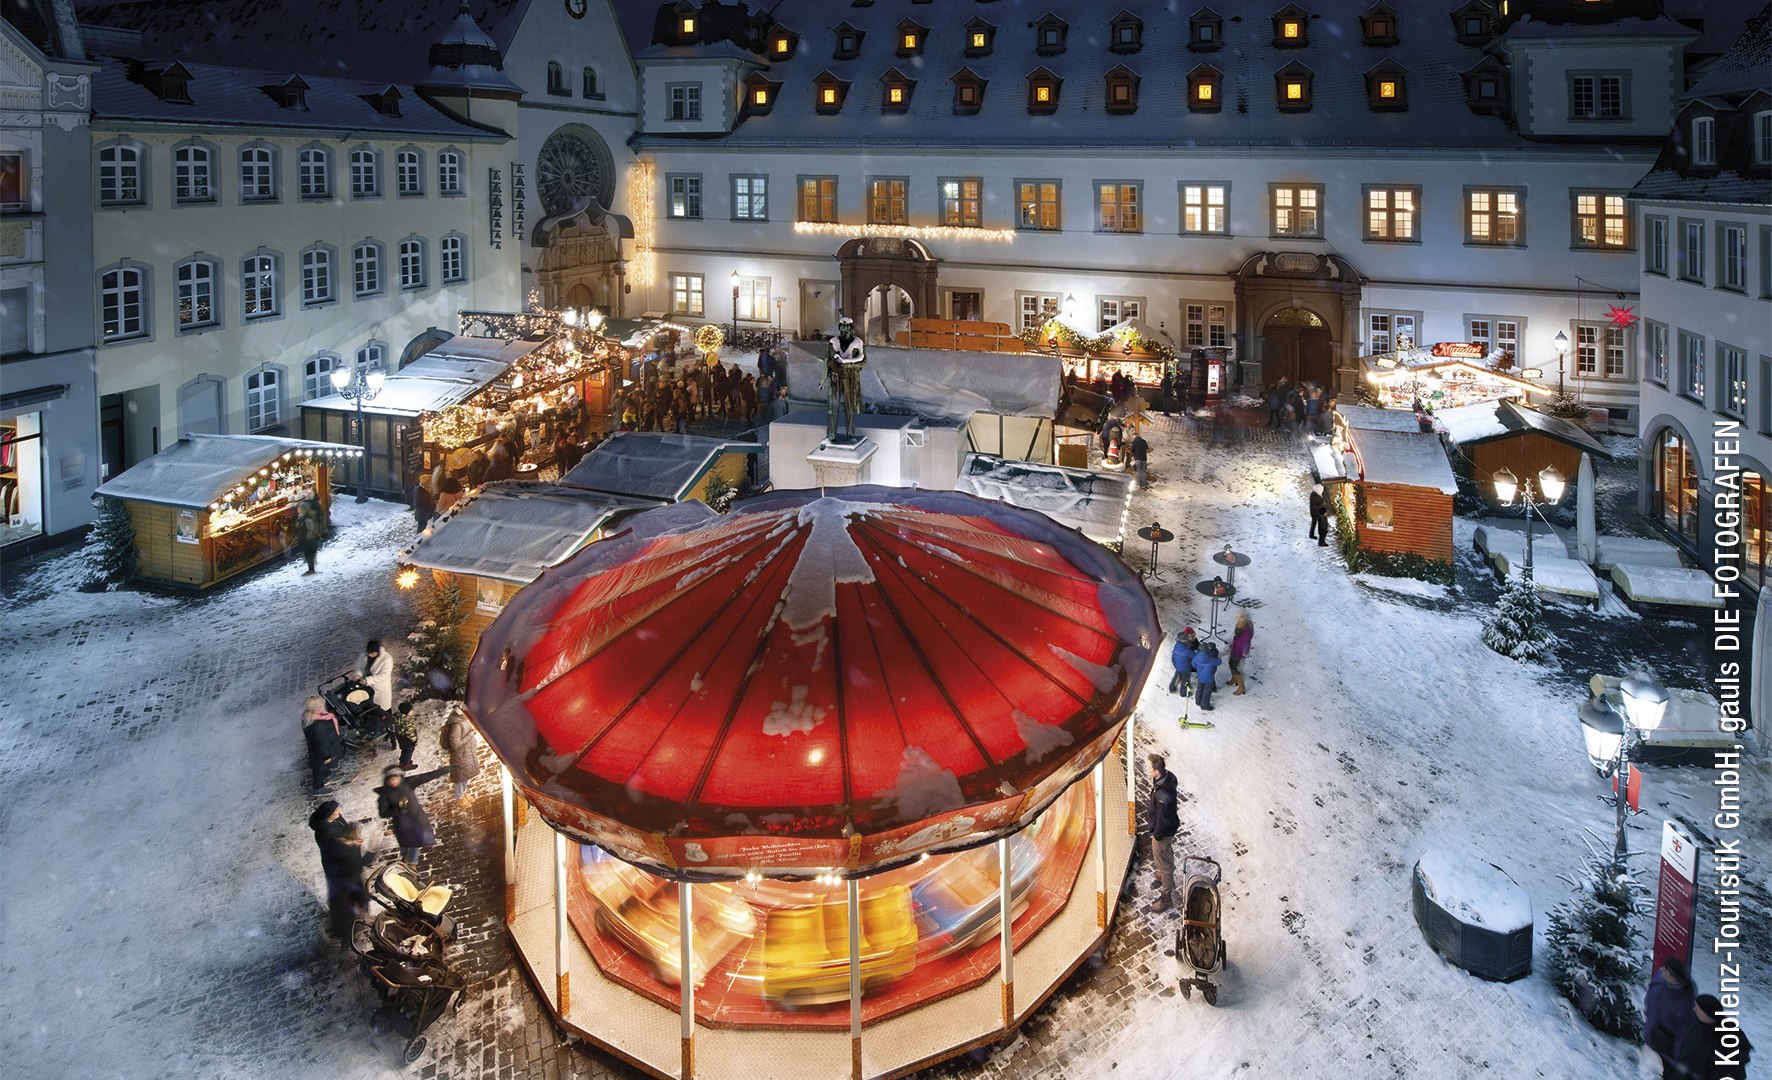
(665, 467)
(1397, 484)
(821, 787)
(503, 535)
(1445, 375)
(1504, 434)
(212, 506)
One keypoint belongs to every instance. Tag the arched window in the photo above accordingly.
(193, 174)
(1676, 481)
(120, 175)
(123, 302)
(412, 263)
(258, 174)
(366, 269)
(371, 355)
(314, 172)
(409, 172)
(197, 282)
(365, 173)
(260, 285)
(264, 399)
(557, 79)
(449, 172)
(454, 255)
(1756, 530)
(316, 376)
(590, 89)
(317, 276)
(1704, 141)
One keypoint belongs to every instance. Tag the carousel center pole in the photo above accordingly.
(686, 974)
(508, 798)
(1131, 752)
(854, 889)
(563, 977)
(1005, 913)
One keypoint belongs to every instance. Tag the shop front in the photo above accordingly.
(21, 477)
(209, 507)
(49, 457)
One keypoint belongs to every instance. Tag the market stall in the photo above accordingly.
(1130, 348)
(211, 506)
(1096, 504)
(1442, 377)
(664, 467)
(1504, 434)
(815, 795)
(1396, 484)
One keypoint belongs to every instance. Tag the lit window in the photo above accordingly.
(830, 95)
(1290, 29)
(1387, 89)
(1294, 91)
(1042, 93)
(781, 45)
(978, 40)
(910, 41)
(895, 95)
(761, 96)
(688, 25)
(1204, 91)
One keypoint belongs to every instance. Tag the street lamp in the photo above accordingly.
(356, 385)
(1611, 736)
(1550, 487)
(594, 320)
(1561, 342)
(735, 307)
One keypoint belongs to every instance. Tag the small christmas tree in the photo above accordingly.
(438, 658)
(1593, 945)
(1515, 628)
(1565, 406)
(110, 553)
(720, 493)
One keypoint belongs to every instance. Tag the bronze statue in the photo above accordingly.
(844, 358)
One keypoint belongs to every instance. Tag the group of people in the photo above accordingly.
(344, 854)
(1197, 663)
(1684, 1028)
(1299, 408)
(672, 399)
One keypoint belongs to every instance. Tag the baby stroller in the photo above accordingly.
(361, 722)
(404, 962)
(1200, 941)
(395, 887)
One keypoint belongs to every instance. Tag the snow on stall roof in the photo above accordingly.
(1093, 503)
(447, 375)
(943, 384)
(1367, 418)
(1476, 422)
(650, 464)
(513, 530)
(1676, 587)
(1554, 427)
(1474, 892)
(1408, 460)
(199, 469)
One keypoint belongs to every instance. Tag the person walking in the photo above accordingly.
(1206, 674)
(1698, 1046)
(1319, 516)
(1140, 451)
(342, 860)
(1667, 1008)
(397, 801)
(310, 527)
(1164, 813)
(1240, 641)
(376, 669)
(424, 504)
(320, 728)
(462, 746)
(1182, 654)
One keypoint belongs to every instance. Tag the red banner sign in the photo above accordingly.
(1675, 910)
(1460, 350)
(1633, 788)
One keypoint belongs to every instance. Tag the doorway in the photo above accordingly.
(1296, 345)
(579, 296)
(965, 304)
(890, 309)
(818, 308)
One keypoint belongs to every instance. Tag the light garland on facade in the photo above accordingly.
(1039, 339)
(903, 232)
(455, 426)
(510, 325)
(640, 196)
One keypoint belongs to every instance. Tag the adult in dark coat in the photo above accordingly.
(310, 528)
(424, 504)
(462, 746)
(1319, 516)
(1140, 451)
(397, 801)
(1667, 1008)
(1696, 1048)
(1165, 818)
(346, 897)
(320, 729)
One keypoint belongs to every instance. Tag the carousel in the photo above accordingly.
(821, 787)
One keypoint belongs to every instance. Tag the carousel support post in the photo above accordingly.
(1101, 919)
(854, 978)
(686, 974)
(508, 797)
(1131, 751)
(563, 976)
(1005, 921)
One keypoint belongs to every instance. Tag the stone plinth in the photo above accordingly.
(843, 464)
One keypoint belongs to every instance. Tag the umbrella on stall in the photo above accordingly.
(1586, 546)
(813, 684)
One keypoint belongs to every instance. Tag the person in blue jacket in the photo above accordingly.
(1205, 673)
(1183, 655)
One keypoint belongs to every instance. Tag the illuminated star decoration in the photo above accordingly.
(1621, 318)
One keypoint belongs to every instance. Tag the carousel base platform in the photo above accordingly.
(647, 1033)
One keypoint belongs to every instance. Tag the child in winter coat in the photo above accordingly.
(397, 801)
(1183, 656)
(1206, 672)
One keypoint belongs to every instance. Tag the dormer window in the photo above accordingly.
(1378, 26)
(170, 83)
(1205, 31)
(291, 93)
(897, 96)
(912, 37)
(968, 92)
(979, 36)
(1049, 34)
(759, 94)
(1125, 33)
(1384, 87)
(1122, 90)
(386, 101)
(1704, 140)
(1470, 23)
(782, 43)
(1043, 87)
(848, 42)
(1204, 89)
(686, 25)
(1486, 87)
(1292, 85)
(1289, 27)
(828, 92)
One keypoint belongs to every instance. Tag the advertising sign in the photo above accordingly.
(1460, 350)
(1675, 909)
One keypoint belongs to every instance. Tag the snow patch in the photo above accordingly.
(1104, 679)
(1403, 586)
(1041, 738)
(924, 788)
(1473, 891)
(828, 559)
(797, 715)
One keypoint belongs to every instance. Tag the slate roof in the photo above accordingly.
(199, 469)
(1743, 70)
(513, 530)
(233, 95)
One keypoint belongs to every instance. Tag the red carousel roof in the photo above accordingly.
(813, 684)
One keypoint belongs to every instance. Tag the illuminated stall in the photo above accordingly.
(1390, 478)
(212, 506)
(812, 793)
(1448, 374)
(1130, 348)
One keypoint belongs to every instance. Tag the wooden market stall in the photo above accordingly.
(1393, 479)
(212, 506)
(503, 536)
(663, 467)
(1499, 434)
(1443, 377)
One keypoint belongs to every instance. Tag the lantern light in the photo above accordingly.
(341, 378)
(1645, 700)
(1551, 482)
(1602, 730)
(1507, 485)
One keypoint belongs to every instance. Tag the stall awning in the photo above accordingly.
(651, 465)
(1093, 503)
(447, 375)
(199, 469)
(513, 530)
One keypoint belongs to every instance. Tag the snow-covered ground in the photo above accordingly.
(154, 851)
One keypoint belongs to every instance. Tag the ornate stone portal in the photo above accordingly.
(578, 242)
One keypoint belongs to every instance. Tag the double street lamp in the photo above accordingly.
(356, 384)
(1550, 487)
(1611, 736)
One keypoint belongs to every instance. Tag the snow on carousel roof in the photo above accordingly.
(513, 530)
(199, 469)
(650, 464)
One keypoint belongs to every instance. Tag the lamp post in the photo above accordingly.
(1611, 736)
(1550, 486)
(1561, 341)
(356, 385)
(735, 307)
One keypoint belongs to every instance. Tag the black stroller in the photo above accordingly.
(361, 722)
(1200, 942)
(417, 985)
(396, 887)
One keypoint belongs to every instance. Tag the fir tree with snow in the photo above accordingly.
(1515, 628)
(438, 658)
(1593, 944)
(110, 552)
(720, 493)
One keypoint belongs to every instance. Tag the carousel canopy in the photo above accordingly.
(513, 530)
(813, 684)
(1096, 504)
(199, 469)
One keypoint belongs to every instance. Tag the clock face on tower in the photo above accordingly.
(576, 8)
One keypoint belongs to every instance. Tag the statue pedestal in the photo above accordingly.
(842, 464)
